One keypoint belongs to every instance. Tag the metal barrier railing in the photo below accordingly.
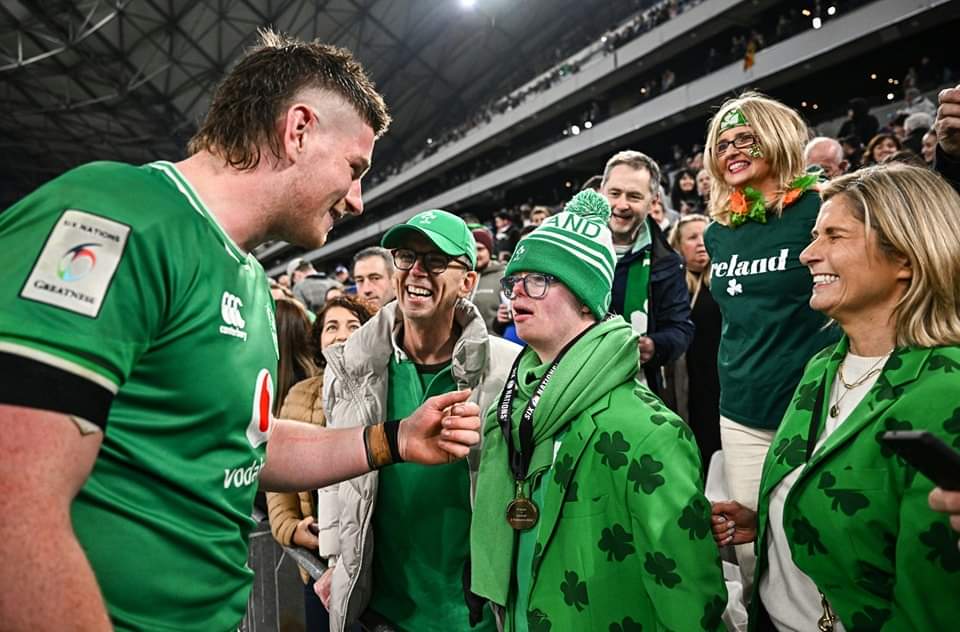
(276, 600)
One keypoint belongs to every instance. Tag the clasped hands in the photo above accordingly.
(441, 430)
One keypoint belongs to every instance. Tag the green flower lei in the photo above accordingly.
(753, 206)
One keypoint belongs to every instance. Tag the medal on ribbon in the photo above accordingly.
(522, 513)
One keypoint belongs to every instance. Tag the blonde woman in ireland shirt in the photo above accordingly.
(765, 206)
(844, 536)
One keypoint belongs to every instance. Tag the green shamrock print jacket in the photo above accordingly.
(857, 517)
(624, 544)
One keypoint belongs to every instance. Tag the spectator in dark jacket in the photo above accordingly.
(915, 126)
(860, 122)
(486, 295)
(309, 286)
(507, 235)
(649, 288)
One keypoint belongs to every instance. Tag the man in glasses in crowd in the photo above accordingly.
(606, 523)
(404, 562)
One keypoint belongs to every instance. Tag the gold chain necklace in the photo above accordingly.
(847, 387)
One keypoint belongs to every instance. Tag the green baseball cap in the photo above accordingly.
(444, 230)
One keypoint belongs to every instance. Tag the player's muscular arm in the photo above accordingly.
(302, 456)
(47, 583)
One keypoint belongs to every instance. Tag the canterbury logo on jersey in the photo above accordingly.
(233, 320)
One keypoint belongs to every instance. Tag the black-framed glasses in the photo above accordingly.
(535, 284)
(740, 141)
(434, 262)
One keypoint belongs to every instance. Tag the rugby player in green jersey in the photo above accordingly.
(138, 354)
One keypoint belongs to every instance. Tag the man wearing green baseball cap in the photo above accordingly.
(430, 340)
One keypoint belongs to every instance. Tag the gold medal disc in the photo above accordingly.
(522, 514)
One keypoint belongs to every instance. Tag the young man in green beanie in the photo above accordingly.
(589, 512)
(403, 533)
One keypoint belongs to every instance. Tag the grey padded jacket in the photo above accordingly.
(355, 393)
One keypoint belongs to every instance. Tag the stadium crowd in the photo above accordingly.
(708, 269)
(660, 405)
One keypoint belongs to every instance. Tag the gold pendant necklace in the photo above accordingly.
(847, 387)
(828, 619)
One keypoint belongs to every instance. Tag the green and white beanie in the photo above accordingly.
(576, 247)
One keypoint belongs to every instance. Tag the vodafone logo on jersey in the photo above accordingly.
(261, 420)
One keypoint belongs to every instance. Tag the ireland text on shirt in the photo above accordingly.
(734, 267)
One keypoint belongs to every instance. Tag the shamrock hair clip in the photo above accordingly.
(733, 118)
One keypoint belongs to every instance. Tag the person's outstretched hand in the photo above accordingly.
(948, 122)
(733, 523)
(442, 430)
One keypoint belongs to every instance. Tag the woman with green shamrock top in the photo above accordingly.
(845, 539)
(764, 204)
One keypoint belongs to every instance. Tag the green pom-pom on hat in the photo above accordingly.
(590, 205)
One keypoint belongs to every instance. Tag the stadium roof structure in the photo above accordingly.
(129, 79)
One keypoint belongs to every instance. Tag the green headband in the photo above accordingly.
(733, 118)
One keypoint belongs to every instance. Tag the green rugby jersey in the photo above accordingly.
(127, 305)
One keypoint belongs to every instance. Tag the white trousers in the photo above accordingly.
(744, 450)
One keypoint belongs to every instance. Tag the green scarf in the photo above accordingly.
(605, 357)
(638, 289)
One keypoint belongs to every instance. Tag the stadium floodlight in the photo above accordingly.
(817, 22)
(889, 96)
(468, 4)
(831, 10)
(574, 129)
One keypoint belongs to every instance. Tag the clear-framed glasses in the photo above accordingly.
(740, 141)
(433, 262)
(535, 284)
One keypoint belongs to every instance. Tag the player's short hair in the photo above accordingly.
(252, 98)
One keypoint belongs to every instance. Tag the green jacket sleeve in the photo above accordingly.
(682, 570)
